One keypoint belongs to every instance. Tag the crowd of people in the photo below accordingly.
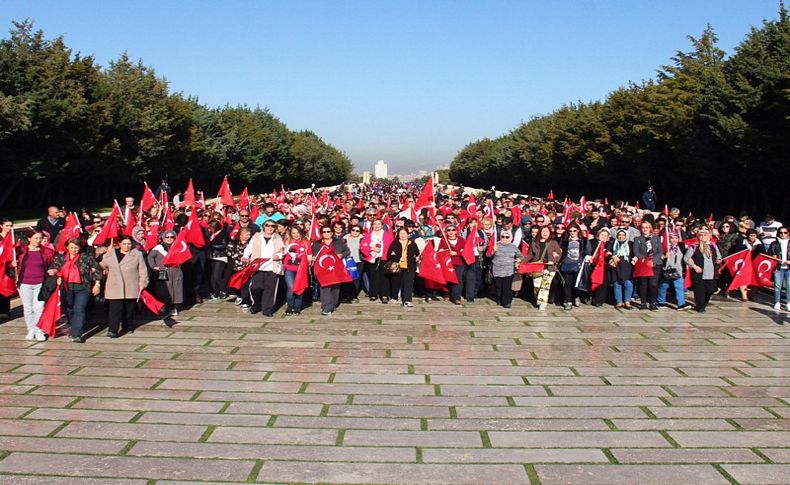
(394, 242)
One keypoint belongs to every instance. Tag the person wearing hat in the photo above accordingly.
(168, 281)
(603, 238)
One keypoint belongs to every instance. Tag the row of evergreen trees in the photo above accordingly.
(711, 132)
(73, 132)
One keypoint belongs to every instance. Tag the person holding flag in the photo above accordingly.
(780, 249)
(267, 246)
(326, 249)
(454, 244)
(7, 259)
(544, 249)
(602, 273)
(32, 267)
(374, 246)
(297, 253)
(80, 276)
(673, 272)
(504, 257)
(647, 269)
(703, 259)
(168, 277)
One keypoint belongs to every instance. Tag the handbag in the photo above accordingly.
(671, 273)
(161, 275)
(351, 267)
(392, 267)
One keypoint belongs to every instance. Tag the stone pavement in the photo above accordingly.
(380, 394)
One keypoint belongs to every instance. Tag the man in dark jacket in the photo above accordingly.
(649, 199)
(52, 223)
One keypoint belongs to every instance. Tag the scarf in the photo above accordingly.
(69, 272)
(621, 249)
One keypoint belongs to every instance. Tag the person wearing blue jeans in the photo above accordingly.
(780, 249)
(293, 300)
(673, 261)
(781, 278)
(623, 292)
(76, 303)
(678, 285)
(622, 252)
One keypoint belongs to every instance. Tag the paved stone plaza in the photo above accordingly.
(380, 394)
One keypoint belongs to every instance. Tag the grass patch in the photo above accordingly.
(532, 474)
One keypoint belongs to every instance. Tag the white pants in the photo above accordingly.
(33, 308)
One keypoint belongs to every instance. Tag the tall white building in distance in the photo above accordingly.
(380, 170)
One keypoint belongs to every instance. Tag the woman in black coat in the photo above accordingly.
(217, 260)
(406, 254)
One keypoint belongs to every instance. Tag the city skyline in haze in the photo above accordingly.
(407, 82)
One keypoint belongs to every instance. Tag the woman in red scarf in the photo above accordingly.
(80, 277)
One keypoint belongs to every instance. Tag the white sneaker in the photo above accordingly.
(41, 336)
(238, 300)
(31, 335)
(174, 313)
(778, 306)
(543, 307)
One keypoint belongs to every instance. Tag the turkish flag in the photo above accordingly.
(471, 207)
(7, 249)
(468, 251)
(110, 228)
(763, 267)
(533, 267)
(315, 229)
(643, 268)
(687, 280)
(7, 283)
(168, 223)
(488, 211)
(152, 236)
(515, 214)
(151, 303)
(244, 200)
(551, 195)
(70, 230)
(691, 242)
(301, 281)
(329, 268)
(238, 278)
(225, 195)
(48, 322)
(426, 195)
(189, 195)
(193, 231)
(740, 267)
(179, 252)
(448, 270)
(148, 199)
(430, 267)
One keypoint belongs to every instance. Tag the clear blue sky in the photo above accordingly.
(410, 82)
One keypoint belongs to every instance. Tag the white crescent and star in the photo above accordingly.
(321, 262)
(760, 271)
